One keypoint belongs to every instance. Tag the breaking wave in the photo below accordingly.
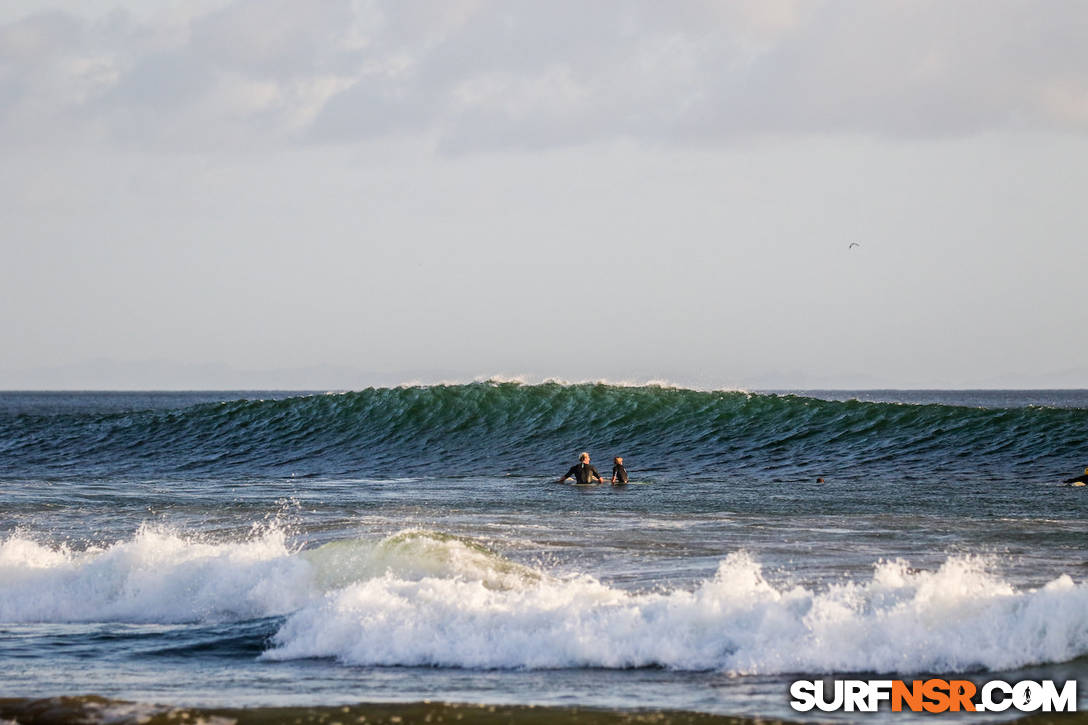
(426, 598)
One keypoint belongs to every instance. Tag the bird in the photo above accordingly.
(853, 244)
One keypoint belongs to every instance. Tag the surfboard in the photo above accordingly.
(606, 483)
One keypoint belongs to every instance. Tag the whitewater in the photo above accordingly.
(421, 599)
(409, 544)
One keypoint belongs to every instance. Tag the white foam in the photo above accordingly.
(163, 576)
(424, 598)
(535, 380)
(157, 576)
(958, 618)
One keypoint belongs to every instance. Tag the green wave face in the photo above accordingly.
(415, 554)
(486, 429)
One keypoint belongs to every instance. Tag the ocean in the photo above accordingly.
(410, 545)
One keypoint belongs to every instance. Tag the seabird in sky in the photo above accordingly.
(853, 244)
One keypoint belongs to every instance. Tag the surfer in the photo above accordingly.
(619, 473)
(1079, 480)
(582, 472)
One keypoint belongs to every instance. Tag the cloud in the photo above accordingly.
(483, 74)
(272, 39)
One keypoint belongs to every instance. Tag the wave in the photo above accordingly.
(162, 576)
(158, 576)
(423, 598)
(958, 618)
(490, 428)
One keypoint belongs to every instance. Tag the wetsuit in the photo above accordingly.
(1079, 479)
(619, 473)
(582, 473)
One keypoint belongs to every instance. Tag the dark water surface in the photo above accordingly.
(402, 544)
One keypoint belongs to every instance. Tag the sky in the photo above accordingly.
(254, 194)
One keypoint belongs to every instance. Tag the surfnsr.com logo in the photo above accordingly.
(933, 695)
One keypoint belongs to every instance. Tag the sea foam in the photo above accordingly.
(425, 598)
(159, 576)
(958, 618)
